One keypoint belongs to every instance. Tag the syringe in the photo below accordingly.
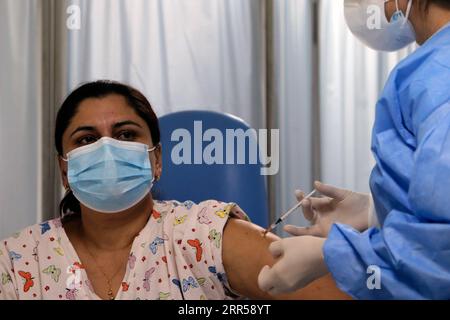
(287, 214)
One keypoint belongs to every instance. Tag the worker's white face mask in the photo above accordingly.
(367, 21)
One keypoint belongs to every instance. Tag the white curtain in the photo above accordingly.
(325, 119)
(200, 54)
(20, 113)
(351, 79)
(293, 113)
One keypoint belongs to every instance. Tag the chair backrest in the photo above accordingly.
(199, 181)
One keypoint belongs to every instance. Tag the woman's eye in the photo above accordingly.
(126, 135)
(86, 140)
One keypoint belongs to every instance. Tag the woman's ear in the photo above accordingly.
(63, 172)
(157, 163)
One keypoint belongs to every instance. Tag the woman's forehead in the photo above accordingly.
(105, 111)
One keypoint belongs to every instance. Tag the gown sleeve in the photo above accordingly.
(8, 283)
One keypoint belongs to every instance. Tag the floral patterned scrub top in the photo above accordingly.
(177, 255)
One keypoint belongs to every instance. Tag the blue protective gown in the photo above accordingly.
(410, 186)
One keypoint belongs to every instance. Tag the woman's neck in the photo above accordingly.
(114, 231)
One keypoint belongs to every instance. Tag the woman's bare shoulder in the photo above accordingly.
(29, 237)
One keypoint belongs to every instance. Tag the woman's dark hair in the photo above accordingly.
(99, 89)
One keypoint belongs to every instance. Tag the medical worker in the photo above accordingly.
(408, 255)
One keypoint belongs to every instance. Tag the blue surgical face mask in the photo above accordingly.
(110, 175)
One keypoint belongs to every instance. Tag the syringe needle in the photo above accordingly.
(287, 214)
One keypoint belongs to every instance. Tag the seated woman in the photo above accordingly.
(113, 241)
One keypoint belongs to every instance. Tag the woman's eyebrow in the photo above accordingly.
(124, 123)
(84, 128)
(117, 125)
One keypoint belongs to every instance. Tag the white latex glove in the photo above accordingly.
(300, 262)
(338, 206)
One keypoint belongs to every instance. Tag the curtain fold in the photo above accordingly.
(182, 54)
(351, 79)
(20, 113)
(293, 112)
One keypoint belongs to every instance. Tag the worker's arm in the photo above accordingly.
(245, 253)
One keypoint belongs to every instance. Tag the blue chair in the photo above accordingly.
(239, 183)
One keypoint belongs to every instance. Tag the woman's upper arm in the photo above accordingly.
(245, 252)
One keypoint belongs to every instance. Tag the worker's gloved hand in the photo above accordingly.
(300, 261)
(338, 206)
